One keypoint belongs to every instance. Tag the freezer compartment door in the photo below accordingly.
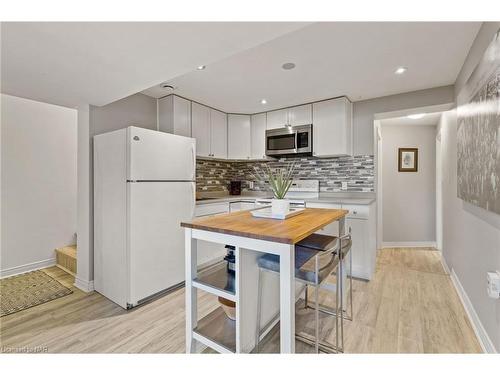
(158, 156)
(156, 239)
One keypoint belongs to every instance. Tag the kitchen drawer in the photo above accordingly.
(357, 211)
(211, 209)
(334, 206)
(331, 229)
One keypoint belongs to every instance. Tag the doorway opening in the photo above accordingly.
(408, 178)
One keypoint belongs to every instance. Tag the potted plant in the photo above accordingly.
(280, 180)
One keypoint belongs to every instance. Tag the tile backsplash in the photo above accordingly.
(357, 171)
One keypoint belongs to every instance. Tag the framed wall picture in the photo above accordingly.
(407, 159)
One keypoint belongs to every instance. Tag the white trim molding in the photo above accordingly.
(84, 285)
(27, 267)
(386, 245)
(444, 264)
(481, 334)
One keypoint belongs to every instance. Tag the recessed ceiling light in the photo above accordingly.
(288, 66)
(167, 86)
(201, 67)
(416, 116)
(263, 101)
(401, 70)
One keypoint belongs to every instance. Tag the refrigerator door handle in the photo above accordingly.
(193, 158)
(193, 189)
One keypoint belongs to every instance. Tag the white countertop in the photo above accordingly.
(334, 198)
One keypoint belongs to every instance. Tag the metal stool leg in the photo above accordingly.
(316, 305)
(306, 296)
(350, 284)
(337, 298)
(341, 283)
(259, 302)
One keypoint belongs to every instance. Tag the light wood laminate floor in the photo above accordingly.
(409, 306)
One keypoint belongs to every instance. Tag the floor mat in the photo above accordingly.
(30, 289)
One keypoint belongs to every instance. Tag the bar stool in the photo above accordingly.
(325, 259)
(317, 242)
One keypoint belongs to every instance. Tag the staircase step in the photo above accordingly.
(66, 259)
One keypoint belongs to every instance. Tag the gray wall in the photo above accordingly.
(471, 235)
(409, 198)
(364, 111)
(135, 110)
(39, 185)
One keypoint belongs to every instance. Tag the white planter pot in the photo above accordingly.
(280, 206)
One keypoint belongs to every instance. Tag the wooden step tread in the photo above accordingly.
(66, 259)
(68, 251)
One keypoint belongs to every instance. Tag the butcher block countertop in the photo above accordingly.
(289, 231)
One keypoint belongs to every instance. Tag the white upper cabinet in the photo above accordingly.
(174, 115)
(332, 127)
(209, 127)
(238, 136)
(258, 136)
(200, 128)
(218, 134)
(182, 116)
(277, 119)
(166, 114)
(301, 115)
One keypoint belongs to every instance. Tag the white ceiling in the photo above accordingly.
(332, 59)
(97, 63)
(430, 119)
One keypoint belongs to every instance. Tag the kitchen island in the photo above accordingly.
(251, 237)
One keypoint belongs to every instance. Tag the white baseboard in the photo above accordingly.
(386, 245)
(482, 335)
(27, 267)
(444, 264)
(84, 285)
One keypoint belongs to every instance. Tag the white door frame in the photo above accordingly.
(439, 193)
(378, 179)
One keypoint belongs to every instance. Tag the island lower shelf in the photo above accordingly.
(217, 281)
(217, 331)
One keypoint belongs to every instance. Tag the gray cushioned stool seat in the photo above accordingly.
(318, 242)
(323, 242)
(271, 262)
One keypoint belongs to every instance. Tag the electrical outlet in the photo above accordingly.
(344, 185)
(493, 284)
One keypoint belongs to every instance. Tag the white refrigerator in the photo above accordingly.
(144, 186)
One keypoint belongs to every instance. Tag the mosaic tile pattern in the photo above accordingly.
(357, 171)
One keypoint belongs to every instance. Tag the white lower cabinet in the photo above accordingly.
(333, 228)
(209, 252)
(361, 220)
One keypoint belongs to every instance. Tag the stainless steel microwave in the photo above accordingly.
(289, 141)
